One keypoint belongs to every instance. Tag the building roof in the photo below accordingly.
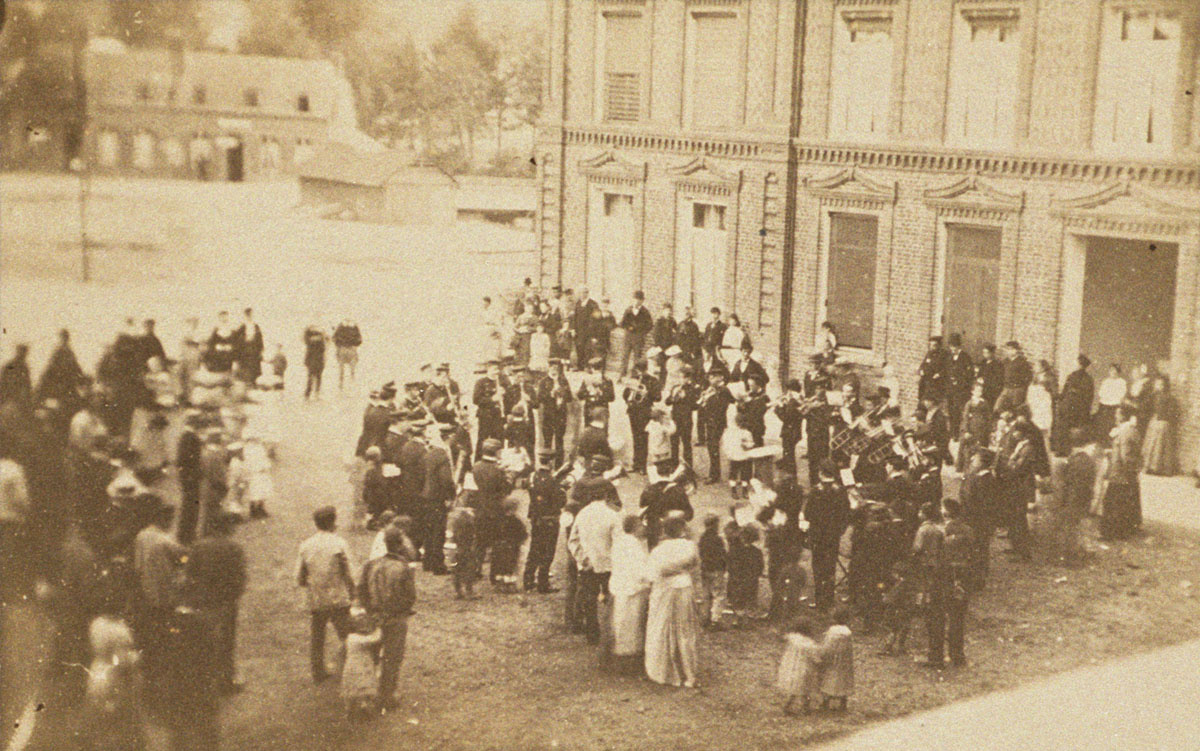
(501, 194)
(218, 82)
(338, 162)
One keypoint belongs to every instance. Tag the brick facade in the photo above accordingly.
(1046, 193)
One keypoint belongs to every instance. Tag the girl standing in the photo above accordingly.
(799, 676)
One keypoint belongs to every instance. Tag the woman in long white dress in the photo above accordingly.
(672, 625)
(629, 586)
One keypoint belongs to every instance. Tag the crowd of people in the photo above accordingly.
(143, 591)
(568, 400)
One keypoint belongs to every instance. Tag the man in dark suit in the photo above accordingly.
(489, 407)
(638, 400)
(690, 340)
(437, 496)
(991, 372)
(1018, 375)
(748, 367)
(637, 323)
(412, 476)
(714, 334)
(960, 377)
(248, 350)
(552, 400)
(828, 515)
(492, 487)
(932, 377)
(712, 410)
(376, 419)
(664, 328)
(583, 322)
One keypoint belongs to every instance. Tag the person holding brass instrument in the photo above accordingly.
(713, 409)
(553, 400)
(641, 393)
(790, 408)
(596, 391)
(683, 399)
(753, 406)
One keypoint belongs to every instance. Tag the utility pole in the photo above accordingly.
(80, 162)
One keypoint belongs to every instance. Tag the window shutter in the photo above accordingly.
(851, 281)
(715, 75)
(622, 67)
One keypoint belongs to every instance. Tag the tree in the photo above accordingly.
(462, 76)
(275, 30)
(156, 22)
(332, 24)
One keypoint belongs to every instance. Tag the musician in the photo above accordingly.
(596, 390)
(376, 418)
(960, 377)
(489, 407)
(412, 408)
(846, 418)
(683, 398)
(790, 410)
(639, 397)
(712, 410)
(584, 324)
(818, 420)
(828, 515)
(746, 366)
(552, 401)
(990, 370)
(690, 340)
(546, 501)
(816, 379)
(899, 492)
(442, 395)
(877, 440)
(934, 371)
(593, 441)
(516, 383)
(637, 322)
(753, 406)
(663, 334)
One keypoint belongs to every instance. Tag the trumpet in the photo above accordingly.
(637, 387)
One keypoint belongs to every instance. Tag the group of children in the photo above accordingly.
(813, 668)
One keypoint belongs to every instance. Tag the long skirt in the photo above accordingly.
(671, 636)
(1122, 511)
(1159, 449)
(629, 623)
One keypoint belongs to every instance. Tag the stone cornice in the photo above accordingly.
(1127, 208)
(699, 170)
(609, 168)
(1179, 173)
(852, 186)
(970, 195)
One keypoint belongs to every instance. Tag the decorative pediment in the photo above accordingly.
(1126, 207)
(973, 195)
(852, 185)
(698, 175)
(608, 167)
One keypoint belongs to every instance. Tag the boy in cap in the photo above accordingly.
(323, 570)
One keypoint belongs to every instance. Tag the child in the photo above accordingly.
(798, 676)
(658, 435)
(360, 677)
(837, 672)
(736, 442)
(250, 474)
(466, 558)
(713, 560)
(510, 534)
(113, 684)
(900, 604)
(745, 569)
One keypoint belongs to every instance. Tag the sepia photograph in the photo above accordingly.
(599, 375)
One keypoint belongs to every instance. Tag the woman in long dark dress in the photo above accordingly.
(1122, 515)
(1159, 445)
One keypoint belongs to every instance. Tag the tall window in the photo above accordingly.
(250, 97)
(716, 52)
(302, 103)
(862, 76)
(983, 77)
(700, 256)
(1135, 86)
(622, 82)
(850, 290)
(199, 95)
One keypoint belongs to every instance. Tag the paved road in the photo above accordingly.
(1149, 702)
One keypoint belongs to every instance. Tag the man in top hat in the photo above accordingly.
(747, 366)
(546, 502)
(583, 324)
(637, 323)
(552, 400)
(790, 412)
(934, 371)
(960, 376)
(665, 328)
(437, 496)
(489, 407)
(639, 398)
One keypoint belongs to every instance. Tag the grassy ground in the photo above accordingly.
(498, 673)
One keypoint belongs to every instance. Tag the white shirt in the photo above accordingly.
(630, 574)
(596, 526)
(321, 559)
(734, 336)
(1112, 391)
(658, 445)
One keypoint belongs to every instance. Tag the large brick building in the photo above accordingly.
(211, 115)
(1000, 168)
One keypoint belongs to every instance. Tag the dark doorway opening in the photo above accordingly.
(234, 163)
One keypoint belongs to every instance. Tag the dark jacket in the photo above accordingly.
(637, 321)
(1018, 373)
(439, 477)
(664, 331)
(387, 586)
(713, 556)
(347, 336)
(216, 571)
(376, 419)
(689, 338)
